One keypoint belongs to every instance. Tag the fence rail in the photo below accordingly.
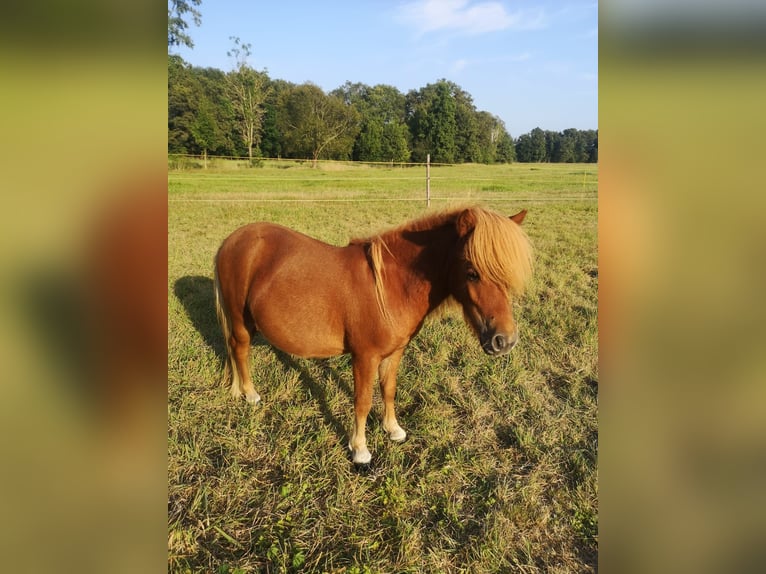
(300, 161)
(279, 180)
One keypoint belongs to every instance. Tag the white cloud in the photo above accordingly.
(467, 17)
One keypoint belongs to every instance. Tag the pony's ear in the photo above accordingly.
(465, 223)
(519, 217)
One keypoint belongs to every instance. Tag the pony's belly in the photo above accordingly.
(303, 334)
(306, 346)
(300, 301)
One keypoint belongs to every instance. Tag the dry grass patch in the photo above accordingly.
(499, 471)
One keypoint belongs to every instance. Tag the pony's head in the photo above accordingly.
(492, 264)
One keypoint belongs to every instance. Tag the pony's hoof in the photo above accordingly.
(360, 457)
(362, 463)
(398, 435)
(253, 398)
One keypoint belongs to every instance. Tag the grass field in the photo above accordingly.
(499, 472)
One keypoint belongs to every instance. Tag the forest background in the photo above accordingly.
(245, 113)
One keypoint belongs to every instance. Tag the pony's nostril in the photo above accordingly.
(501, 343)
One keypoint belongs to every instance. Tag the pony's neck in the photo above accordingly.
(421, 260)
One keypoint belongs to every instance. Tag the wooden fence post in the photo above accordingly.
(428, 180)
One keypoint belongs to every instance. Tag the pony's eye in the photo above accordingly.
(472, 275)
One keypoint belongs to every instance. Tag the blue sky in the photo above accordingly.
(532, 63)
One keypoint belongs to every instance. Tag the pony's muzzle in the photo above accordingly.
(499, 343)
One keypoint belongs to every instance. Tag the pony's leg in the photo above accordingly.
(387, 373)
(364, 375)
(240, 348)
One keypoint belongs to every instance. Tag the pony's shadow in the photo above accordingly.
(196, 294)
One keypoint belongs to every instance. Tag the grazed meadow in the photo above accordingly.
(499, 471)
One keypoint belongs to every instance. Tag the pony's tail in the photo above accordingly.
(229, 372)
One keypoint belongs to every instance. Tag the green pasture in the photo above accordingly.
(499, 472)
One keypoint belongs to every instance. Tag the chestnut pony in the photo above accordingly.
(368, 298)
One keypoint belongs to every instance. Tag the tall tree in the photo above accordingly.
(467, 123)
(493, 142)
(317, 125)
(506, 152)
(207, 129)
(271, 146)
(177, 25)
(394, 145)
(200, 116)
(523, 148)
(431, 117)
(204, 129)
(247, 91)
(383, 132)
(564, 151)
(443, 124)
(369, 144)
(552, 141)
(537, 145)
(272, 142)
(180, 105)
(213, 84)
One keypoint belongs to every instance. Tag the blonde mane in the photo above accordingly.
(497, 247)
(499, 250)
(377, 245)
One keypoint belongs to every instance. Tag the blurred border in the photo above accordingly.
(84, 263)
(682, 240)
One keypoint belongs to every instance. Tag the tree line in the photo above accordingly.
(244, 112)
